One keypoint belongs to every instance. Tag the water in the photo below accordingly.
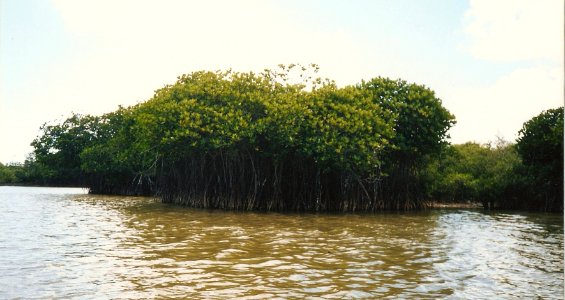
(63, 243)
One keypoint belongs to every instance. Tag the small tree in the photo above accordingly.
(58, 147)
(540, 145)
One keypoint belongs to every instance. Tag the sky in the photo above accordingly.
(494, 64)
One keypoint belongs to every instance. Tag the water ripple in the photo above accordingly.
(62, 243)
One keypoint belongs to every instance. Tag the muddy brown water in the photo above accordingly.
(63, 243)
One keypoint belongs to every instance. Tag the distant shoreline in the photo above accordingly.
(23, 184)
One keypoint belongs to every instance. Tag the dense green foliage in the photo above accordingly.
(281, 140)
(274, 140)
(474, 172)
(540, 146)
(527, 175)
(58, 149)
(420, 125)
(7, 174)
(27, 173)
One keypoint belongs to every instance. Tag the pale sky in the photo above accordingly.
(494, 63)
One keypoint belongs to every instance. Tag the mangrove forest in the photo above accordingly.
(286, 140)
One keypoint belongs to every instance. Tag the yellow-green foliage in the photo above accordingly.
(254, 135)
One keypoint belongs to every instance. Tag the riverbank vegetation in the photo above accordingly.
(285, 140)
(525, 175)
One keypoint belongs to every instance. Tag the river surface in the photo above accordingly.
(63, 243)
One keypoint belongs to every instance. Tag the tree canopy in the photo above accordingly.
(284, 139)
(540, 145)
(280, 139)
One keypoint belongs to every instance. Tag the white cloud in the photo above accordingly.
(528, 32)
(515, 30)
(500, 109)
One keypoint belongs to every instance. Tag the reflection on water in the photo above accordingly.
(63, 243)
